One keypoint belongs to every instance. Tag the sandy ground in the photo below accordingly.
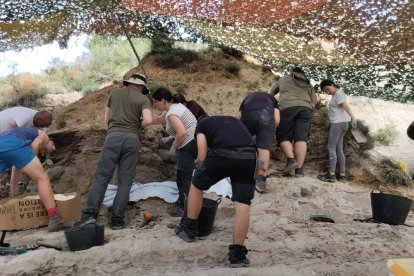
(377, 114)
(282, 239)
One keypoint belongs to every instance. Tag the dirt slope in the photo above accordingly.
(282, 239)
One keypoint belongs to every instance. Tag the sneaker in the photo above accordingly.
(55, 224)
(291, 165)
(261, 185)
(237, 256)
(299, 172)
(327, 177)
(181, 232)
(341, 178)
(245, 262)
(118, 225)
(187, 229)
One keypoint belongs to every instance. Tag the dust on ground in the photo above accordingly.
(282, 239)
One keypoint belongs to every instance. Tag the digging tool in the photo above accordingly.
(37, 244)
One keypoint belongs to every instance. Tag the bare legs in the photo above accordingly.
(241, 218)
(35, 170)
(264, 156)
(241, 222)
(299, 150)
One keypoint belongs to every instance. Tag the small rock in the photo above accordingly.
(171, 225)
(305, 192)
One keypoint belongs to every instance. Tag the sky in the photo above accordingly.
(39, 58)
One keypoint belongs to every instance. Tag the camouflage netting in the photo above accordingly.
(365, 45)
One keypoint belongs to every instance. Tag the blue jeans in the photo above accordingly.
(120, 148)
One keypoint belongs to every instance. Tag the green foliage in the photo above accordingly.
(181, 88)
(252, 85)
(27, 100)
(111, 57)
(218, 56)
(392, 173)
(188, 68)
(170, 57)
(386, 135)
(154, 86)
(232, 68)
(89, 89)
(365, 130)
(230, 51)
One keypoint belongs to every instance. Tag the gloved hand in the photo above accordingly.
(172, 150)
(166, 140)
(353, 122)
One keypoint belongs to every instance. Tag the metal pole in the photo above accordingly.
(130, 42)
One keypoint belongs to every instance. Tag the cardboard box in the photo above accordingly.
(27, 211)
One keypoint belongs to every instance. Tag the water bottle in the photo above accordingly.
(12, 250)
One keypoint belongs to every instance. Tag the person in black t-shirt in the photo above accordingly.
(193, 106)
(260, 114)
(225, 149)
(410, 131)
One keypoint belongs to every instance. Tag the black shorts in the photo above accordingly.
(295, 123)
(238, 164)
(260, 123)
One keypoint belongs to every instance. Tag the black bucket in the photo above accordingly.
(85, 236)
(207, 215)
(391, 209)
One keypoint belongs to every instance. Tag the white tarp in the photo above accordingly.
(166, 190)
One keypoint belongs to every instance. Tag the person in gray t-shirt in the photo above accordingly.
(339, 115)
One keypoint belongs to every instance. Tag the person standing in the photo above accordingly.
(410, 131)
(19, 148)
(192, 105)
(181, 124)
(339, 115)
(20, 116)
(127, 110)
(260, 114)
(225, 149)
(296, 101)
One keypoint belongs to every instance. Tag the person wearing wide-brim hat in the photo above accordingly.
(138, 79)
(127, 111)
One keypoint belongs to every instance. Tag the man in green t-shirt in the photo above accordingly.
(126, 111)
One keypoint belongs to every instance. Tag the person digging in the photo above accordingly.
(18, 148)
(225, 149)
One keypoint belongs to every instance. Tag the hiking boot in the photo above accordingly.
(291, 165)
(261, 185)
(55, 224)
(299, 172)
(341, 178)
(237, 256)
(327, 177)
(118, 224)
(187, 229)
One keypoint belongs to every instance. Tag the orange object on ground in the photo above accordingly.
(400, 267)
(148, 216)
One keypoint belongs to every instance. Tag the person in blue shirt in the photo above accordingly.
(19, 148)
